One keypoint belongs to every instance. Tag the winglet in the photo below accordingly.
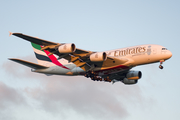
(10, 33)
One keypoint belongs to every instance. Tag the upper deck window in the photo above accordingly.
(164, 48)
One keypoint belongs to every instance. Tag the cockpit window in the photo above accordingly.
(164, 48)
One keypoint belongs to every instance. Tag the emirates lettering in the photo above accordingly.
(129, 51)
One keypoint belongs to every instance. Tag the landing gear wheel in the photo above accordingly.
(93, 78)
(86, 75)
(160, 66)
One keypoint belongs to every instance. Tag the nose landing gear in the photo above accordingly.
(161, 62)
(160, 66)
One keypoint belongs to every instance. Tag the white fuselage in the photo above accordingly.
(136, 55)
(142, 54)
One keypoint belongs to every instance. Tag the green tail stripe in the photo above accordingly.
(36, 46)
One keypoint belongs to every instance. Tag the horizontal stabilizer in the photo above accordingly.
(33, 39)
(28, 64)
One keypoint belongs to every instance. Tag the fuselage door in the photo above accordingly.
(163, 50)
(154, 51)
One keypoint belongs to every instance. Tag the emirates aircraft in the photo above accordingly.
(109, 66)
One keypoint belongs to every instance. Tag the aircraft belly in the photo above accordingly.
(58, 70)
(113, 70)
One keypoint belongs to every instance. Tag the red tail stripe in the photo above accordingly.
(54, 59)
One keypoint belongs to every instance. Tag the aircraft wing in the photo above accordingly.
(81, 58)
(41, 41)
(33, 39)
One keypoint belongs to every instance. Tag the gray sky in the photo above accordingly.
(92, 25)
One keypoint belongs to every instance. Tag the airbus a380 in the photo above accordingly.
(108, 66)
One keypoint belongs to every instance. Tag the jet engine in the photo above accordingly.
(98, 57)
(67, 48)
(129, 82)
(133, 75)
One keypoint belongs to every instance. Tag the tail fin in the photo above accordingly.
(44, 59)
(41, 56)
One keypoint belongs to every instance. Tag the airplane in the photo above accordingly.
(109, 66)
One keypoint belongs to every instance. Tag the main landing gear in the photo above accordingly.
(161, 62)
(95, 77)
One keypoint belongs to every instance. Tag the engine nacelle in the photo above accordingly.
(134, 75)
(129, 82)
(98, 57)
(67, 48)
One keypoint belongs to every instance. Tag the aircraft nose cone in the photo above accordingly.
(169, 54)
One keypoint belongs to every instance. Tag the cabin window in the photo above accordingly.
(164, 48)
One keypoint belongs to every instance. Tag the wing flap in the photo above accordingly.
(81, 64)
(28, 64)
(73, 59)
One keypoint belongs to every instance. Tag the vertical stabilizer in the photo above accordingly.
(41, 56)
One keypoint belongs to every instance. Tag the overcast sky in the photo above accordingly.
(95, 25)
